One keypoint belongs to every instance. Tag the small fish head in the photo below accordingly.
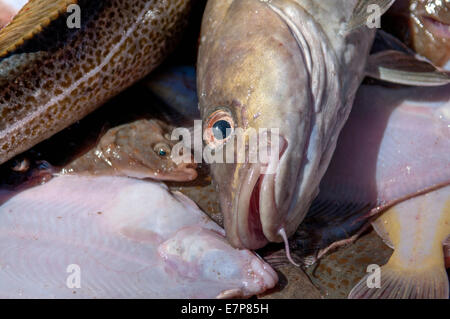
(148, 146)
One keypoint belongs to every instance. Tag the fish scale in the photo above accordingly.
(70, 75)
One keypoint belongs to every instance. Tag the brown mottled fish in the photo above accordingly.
(52, 75)
(141, 149)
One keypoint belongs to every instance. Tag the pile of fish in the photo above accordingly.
(126, 239)
(397, 167)
(350, 156)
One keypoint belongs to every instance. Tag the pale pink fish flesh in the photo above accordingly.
(394, 146)
(129, 238)
(416, 229)
(8, 9)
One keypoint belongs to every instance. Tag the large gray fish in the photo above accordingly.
(294, 65)
(278, 64)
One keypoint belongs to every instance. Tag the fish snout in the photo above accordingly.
(189, 169)
(253, 217)
(183, 172)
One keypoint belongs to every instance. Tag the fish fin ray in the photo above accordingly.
(280, 259)
(400, 284)
(361, 12)
(329, 221)
(31, 20)
(398, 67)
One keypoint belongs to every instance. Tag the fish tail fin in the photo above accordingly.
(399, 283)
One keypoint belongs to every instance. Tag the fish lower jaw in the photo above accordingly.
(247, 231)
(255, 206)
(254, 221)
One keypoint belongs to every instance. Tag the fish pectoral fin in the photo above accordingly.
(401, 68)
(400, 283)
(279, 259)
(331, 222)
(364, 10)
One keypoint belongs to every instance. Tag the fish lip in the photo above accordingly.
(437, 27)
(249, 229)
(245, 230)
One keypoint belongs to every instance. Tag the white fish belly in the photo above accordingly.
(402, 138)
(16, 5)
(418, 227)
(113, 237)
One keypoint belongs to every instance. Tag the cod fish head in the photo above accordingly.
(252, 78)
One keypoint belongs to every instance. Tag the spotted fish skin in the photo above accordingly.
(61, 75)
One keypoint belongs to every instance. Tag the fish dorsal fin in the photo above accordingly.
(362, 12)
(34, 17)
(402, 68)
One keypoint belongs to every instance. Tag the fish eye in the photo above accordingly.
(219, 128)
(162, 149)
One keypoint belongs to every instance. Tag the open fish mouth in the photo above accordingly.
(249, 223)
(437, 27)
(253, 209)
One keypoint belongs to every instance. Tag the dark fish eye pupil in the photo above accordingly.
(162, 152)
(221, 129)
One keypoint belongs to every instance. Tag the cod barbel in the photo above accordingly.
(294, 65)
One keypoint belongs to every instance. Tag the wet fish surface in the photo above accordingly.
(140, 149)
(416, 229)
(424, 26)
(126, 238)
(292, 65)
(393, 147)
(8, 9)
(58, 75)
